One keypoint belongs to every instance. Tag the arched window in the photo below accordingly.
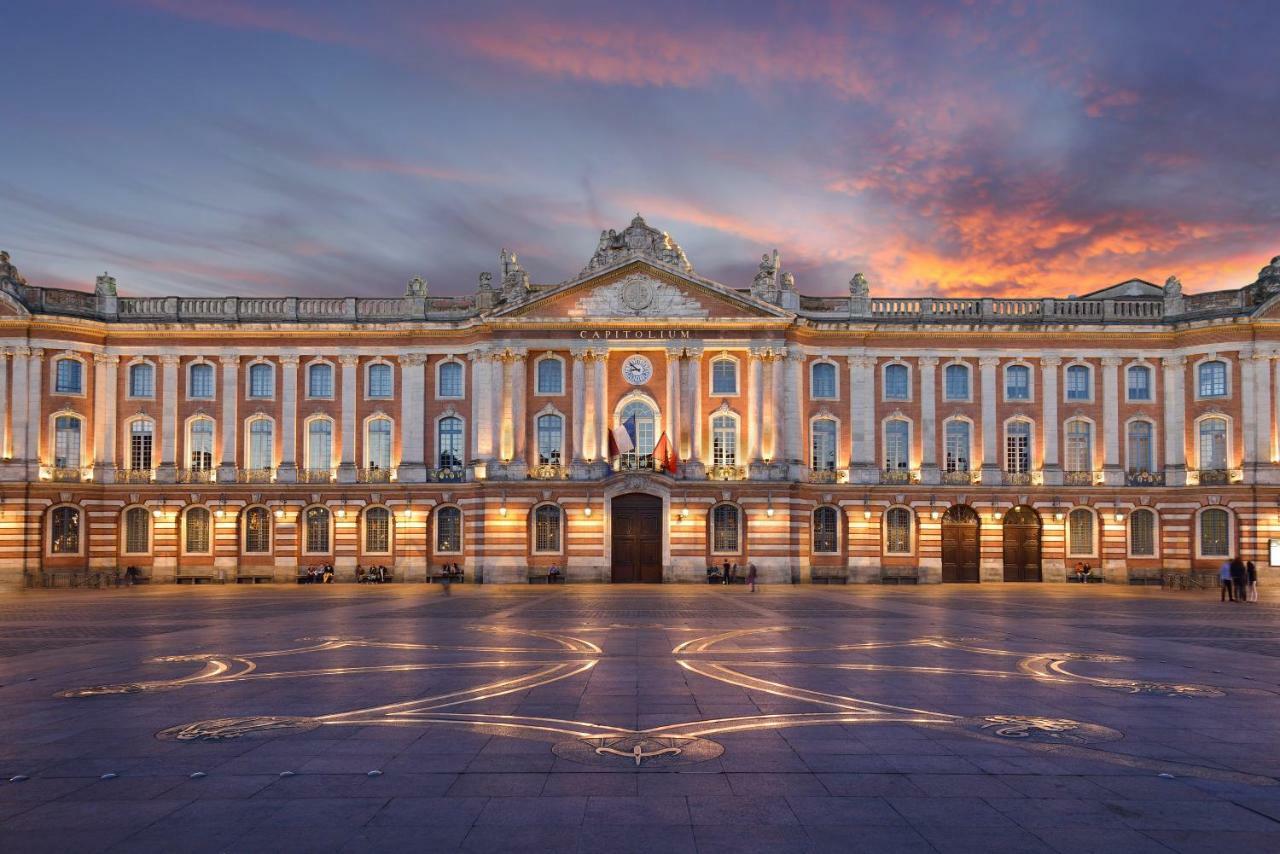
(1079, 456)
(724, 377)
(1080, 533)
(1142, 533)
(897, 382)
(68, 376)
(550, 376)
(200, 444)
(897, 523)
(261, 444)
(450, 380)
(724, 440)
(64, 531)
(550, 439)
(66, 442)
(1141, 448)
(141, 442)
(377, 530)
(1212, 379)
(257, 530)
(1139, 383)
(317, 530)
(956, 386)
(137, 531)
(1215, 533)
(448, 529)
(320, 380)
(826, 530)
(1017, 382)
(957, 442)
(546, 528)
(142, 380)
(379, 380)
(319, 445)
(823, 385)
(200, 380)
(449, 441)
(725, 524)
(823, 444)
(1213, 443)
(1017, 447)
(196, 534)
(262, 380)
(377, 442)
(897, 445)
(642, 456)
(1078, 382)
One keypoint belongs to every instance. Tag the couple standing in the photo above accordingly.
(1239, 581)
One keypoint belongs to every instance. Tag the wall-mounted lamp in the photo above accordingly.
(1119, 515)
(279, 513)
(502, 508)
(586, 511)
(769, 510)
(933, 510)
(341, 512)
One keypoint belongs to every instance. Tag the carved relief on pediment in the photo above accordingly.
(637, 295)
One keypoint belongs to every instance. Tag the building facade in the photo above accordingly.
(981, 440)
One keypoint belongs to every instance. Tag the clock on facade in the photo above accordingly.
(637, 370)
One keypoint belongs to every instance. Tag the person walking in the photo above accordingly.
(751, 576)
(1251, 582)
(1224, 577)
(1238, 575)
(446, 584)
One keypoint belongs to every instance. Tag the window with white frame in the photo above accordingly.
(141, 442)
(68, 376)
(196, 531)
(320, 380)
(897, 382)
(1017, 447)
(262, 380)
(1215, 533)
(319, 444)
(261, 444)
(142, 380)
(1142, 533)
(823, 444)
(200, 444)
(1078, 382)
(724, 377)
(897, 445)
(725, 522)
(826, 530)
(377, 530)
(64, 531)
(823, 382)
(550, 439)
(897, 539)
(646, 436)
(1212, 378)
(1213, 443)
(546, 528)
(316, 530)
(550, 376)
(449, 441)
(1080, 532)
(377, 443)
(1139, 382)
(137, 531)
(200, 380)
(956, 382)
(450, 380)
(66, 442)
(257, 530)
(957, 445)
(448, 529)
(1079, 451)
(1141, 448)
(724, 440)
(1017, 382)
(379, 380)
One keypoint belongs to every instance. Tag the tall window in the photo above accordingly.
(377, 530)
(957, 382)
(257, 530)
(137, 531)
(261, 444)
(141, 436)
(66, 444)
(1139, 382)
(142, 381)
(1213, 443)
(897, 442)
(1215, 533)
(1017, 447)
(378, 443)
(550, 376)
(897, 540)
(200, 444)
(1142, 533)
(450, 379)
(724, 529)
(317, 530)
(546, 528)
(1017, 382)
(68, 376)
(448, 529)
(824, 381)
(724, 377)
(261, 380)
(379, 380)
(449, 441)
(1080, 532)
(1079, 455)
(826, 532)
(319, 444)
(64, 531)
(724, 440)
(200, 380)
(1077, 382)
(823, 445)
(320, 381)
(957, 441)
(196, 531)
(550, 438)
(1212, 379)
(897, 382)
(1141, 448)
(645, 423)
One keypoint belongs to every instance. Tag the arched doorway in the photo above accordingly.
(636, 553)
(960, 544)
(1022, 544)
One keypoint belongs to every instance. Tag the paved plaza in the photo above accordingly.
(663, 719)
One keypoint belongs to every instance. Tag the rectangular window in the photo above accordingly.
(1213, 379)
(897, 453)
(320, 381)
(142, 381)
(724, 377)
(201, 381)
(550, 376)
(450, 379)
(1139, 384)
(261, 381)
(379, 380)
(724, 529)
(69, 377)
(1018, 448)
(897, 383)
(1077, 383)
(1017, 383)
(140, 446)
(957, 382)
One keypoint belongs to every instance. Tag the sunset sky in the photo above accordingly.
(968, 149)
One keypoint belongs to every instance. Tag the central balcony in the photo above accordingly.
(447, 474)
(1144, 478)
(549, 471)
(1216, 477)
(726, 472)
(373, 474)
(195, 475)
(262, 475)
(1016, 478)
(315, 475)
(1081, 478)
(828, 475)
(899, 477)
(134, 475)
(958, 478)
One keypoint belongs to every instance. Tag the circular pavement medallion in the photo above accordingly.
(220, 729)
(1031, 728)
(638, 750)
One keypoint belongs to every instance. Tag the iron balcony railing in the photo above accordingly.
(1143, 478)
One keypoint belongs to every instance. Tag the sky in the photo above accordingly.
(211, 147)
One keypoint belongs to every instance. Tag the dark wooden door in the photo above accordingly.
(637, 539)
(1022, 545)
(960, 544)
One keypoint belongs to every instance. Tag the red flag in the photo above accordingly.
(664, 456)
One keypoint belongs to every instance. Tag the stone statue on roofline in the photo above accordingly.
(8, 271)
(105, 285)
(417, 287)
(515, 281)
(637, 240)
(1173, 303)
(858, 286)
(859, 296)
(484, 292)
(1268, 283)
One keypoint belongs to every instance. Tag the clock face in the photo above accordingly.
(637, 370)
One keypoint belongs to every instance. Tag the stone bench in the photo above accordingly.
(1146, 576)
(455, 579)
(255, 578)
(899, 575)
(545, 578)
(1091, 578)
(199, 577)
(826, 575)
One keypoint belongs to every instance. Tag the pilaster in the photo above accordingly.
(929, 472)
(1175, 446)
(1112, 470)
(1051, 427)
(696, 466)
(347, 468)
(862, 419)
(105, 366)
(230, 429)
(288, 470)
(413, 415)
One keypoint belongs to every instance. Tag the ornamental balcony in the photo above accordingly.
(135, 475)
(1017, 478)
(828, 475)
(447, 474)
(959, 477)
(373, 474)
(723, 472)
(1215, 477)
(262, 475)
(899, 477)
(549, 471)
(1081, 478)
(635, 462)
(66, 475)
(1144, 478)
(315, 475)
(196, 475)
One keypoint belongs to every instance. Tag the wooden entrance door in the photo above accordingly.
(1022, 545)
(960, 544)
(637, 539)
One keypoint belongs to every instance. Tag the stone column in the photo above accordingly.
(577, 454)
(1175, 447)
(5, 451)
(288, 470)
(755, 398)
(347, 468)
(862, 420)
(987, 366)
(230, 429)
(506, 405)
(774, 414)
(105, 366)
(792, 424)
(1051, 428)
(481, 406)
(168, 470)
(413, 418)
(929, 472)
(516, 367)
(602, 404)
(672, 418)
(1112, 468)
(35, 417)
(696, 467)
(1264, 440)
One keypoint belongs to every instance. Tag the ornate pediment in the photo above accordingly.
(638, 240)
(637, 295)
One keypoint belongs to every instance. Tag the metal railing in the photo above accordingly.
(1078, 478)
(549, 471)
(1016, 478)
(827, 475)
(447, 474)
(1143, 478)
(67, 475)
(315, 475)
(374, 474)
(1219, 477)
(135, 475)
(899, 476)
(957, 478)
(264, 475)
(724, 472)
(196, 475)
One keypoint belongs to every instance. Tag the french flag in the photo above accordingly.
(622, 439)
